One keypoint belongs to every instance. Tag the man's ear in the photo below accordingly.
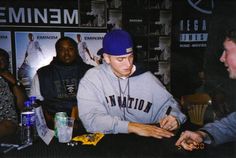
(106, 58)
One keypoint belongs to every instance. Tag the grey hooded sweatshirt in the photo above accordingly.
(107, 103)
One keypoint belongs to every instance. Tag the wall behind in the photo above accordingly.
(44, 22)
(190, 26)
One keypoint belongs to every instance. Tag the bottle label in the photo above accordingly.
(28, 118)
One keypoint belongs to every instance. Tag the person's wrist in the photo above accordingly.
(208, 139)
(16, 83)
(132, 127)
(202, 134)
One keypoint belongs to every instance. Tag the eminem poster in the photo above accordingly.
(5, 43)
(33, 50)
(88, 46)
(92, 13)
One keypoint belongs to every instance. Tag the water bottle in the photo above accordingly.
(34, 105)
(27, 123)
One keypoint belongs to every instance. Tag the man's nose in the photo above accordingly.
(222, 58)
(67, 51)
(127, 62)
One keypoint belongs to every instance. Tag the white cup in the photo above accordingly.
(65, 130)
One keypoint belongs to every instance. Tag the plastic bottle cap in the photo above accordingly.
(27, 103)
(32, 98)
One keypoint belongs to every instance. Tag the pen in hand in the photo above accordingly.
(168, 110)
(167, 113)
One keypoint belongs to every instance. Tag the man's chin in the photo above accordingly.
(232, 76)
(126, 74)
(68, 63)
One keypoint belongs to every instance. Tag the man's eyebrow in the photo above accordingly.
(120, 57)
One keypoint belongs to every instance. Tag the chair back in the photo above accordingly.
(196, 105)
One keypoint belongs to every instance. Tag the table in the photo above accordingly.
(120, 146)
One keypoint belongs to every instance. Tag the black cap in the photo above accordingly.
(100, 51)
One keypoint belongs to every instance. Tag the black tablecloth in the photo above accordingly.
(119, 146)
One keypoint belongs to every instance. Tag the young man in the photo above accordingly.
(56, 84)
(223, 130)
(120, 97)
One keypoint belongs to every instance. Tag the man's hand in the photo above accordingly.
(191, 140)
(169, 123)
(7, 127)
(8, 76)
(148, 130)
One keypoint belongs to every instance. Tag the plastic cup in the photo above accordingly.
(65, 130)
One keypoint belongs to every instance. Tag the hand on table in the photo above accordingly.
(191, 140)
(149, 130)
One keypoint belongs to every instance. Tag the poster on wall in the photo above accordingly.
(190, 28)
(33, 50)
(5, 43)
(88, 45)
(114, 20)
(191, 25)
(92, 13)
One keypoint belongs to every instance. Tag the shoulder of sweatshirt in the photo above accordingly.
(148, 77)
(93, 73)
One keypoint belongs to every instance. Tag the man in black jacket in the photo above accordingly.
(56, 84)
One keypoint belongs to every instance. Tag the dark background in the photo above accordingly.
(186, 63)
